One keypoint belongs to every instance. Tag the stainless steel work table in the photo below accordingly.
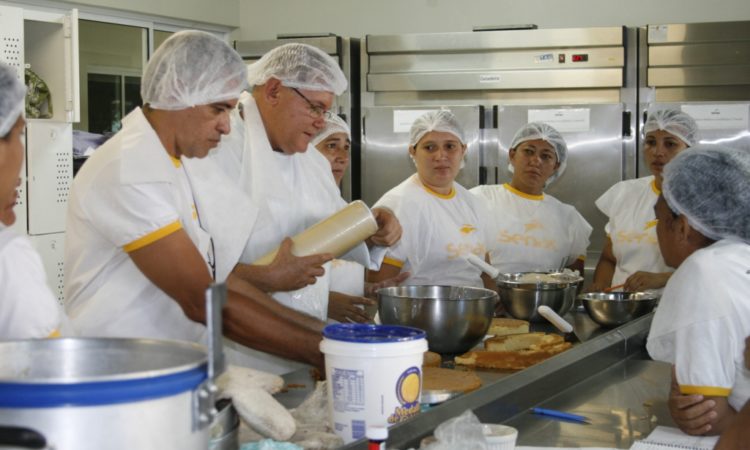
(608, 378)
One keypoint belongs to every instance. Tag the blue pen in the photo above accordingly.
(560, 415)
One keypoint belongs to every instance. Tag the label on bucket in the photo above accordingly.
(348, 390)
(407, 391)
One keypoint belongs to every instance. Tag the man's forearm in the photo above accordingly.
(258, 276)
(252, 324)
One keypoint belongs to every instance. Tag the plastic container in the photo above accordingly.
(376, 437)
(374, 375)
(336, 234)
(500, 437)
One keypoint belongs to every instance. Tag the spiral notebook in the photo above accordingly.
(667, 438)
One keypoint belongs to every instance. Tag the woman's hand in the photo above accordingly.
(371, 289)
(349, 308)
(640, 281)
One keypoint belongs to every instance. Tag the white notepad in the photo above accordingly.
(666, 438)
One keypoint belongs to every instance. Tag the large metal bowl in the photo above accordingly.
(523, 292)
(454, 318)
(611, 309)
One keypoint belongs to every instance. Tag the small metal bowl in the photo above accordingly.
(454, 318)
(523, 293)
(612, 309)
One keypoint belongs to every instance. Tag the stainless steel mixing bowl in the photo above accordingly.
(454, 318)
(522, 293)
(611, 309)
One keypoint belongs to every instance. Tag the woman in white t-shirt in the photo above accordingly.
(704, 313)
(535, 231)
(28, 309)
(442, 222)
(631, 257)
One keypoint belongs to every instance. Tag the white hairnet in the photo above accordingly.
(674, 122)
(439, 120)
(334, 124)
(540, 130)
(12, 94)
(192, 68)
(710, 186)
(299, 66)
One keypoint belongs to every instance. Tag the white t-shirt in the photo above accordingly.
(703, 319)
(534, 232)
(439, 231)
(629, 205)
(28, 309)
(129, 194)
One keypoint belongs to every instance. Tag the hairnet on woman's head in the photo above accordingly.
(334, 124)
(299, 66)
(540, 130)
(710, 186)
(12, 94)
(438, 120)
(674, 122)
(192, 68)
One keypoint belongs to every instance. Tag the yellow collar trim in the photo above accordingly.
(656, 190)
(447, 196)
(175, 161)
(523, 194)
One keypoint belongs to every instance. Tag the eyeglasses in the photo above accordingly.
(316, 112)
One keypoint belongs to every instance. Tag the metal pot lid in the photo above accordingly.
(77, 360)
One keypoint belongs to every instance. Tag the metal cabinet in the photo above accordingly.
(385, 143)
(47, 43)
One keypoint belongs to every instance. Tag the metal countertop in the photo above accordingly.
(607, 378)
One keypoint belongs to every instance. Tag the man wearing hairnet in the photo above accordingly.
(268, 154)
(138, 258)
(631, 258)
(703, 317)
(28, 309)
(535, 231)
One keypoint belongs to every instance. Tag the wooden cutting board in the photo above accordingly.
(437, 378)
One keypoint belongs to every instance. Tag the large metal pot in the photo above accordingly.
(115, 394)
(454, 318)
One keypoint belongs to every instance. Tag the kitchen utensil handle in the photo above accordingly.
(482, 265)
(216, 298)
(19, 437)
(560, 323)
(559, 414)
(612, 288)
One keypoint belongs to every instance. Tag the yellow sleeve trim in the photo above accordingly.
(393, 262)
(708, 391)
(54, 334)
(152, 237)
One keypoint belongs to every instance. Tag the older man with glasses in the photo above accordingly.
(270, 156)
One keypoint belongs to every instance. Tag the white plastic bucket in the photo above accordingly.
(374, 375)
